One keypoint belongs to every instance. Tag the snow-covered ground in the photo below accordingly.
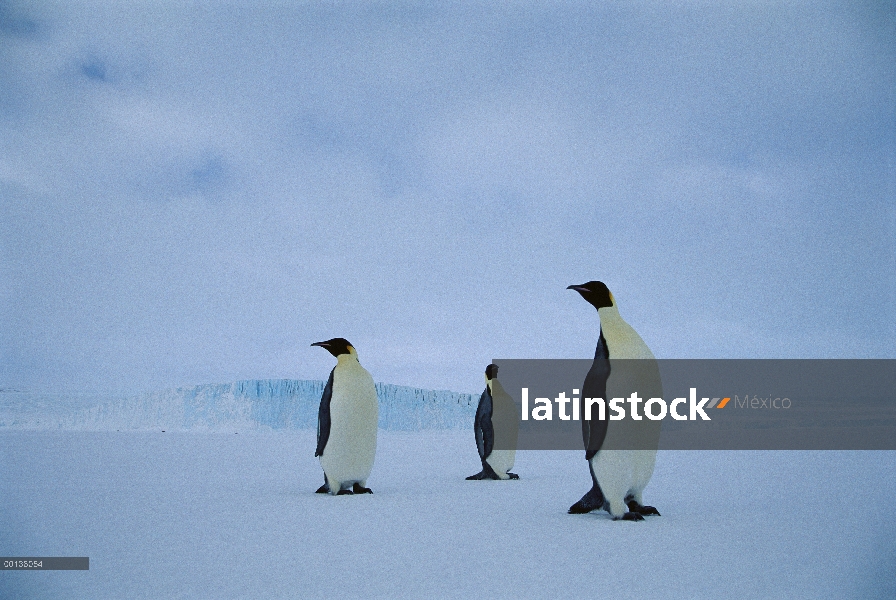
(227, 515)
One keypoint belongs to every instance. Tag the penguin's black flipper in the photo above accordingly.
(595, 431)
(485, 432)
(323, 417)
(324, 489)
(358, 489)
(478, 476)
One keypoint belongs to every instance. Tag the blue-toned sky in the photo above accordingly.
(194, 193)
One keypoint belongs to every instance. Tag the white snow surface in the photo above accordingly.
(233, 515)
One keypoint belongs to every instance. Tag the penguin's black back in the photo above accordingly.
(323, 416)
(595, 386)
(485, 432)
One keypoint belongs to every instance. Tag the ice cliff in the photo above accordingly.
(273, 404)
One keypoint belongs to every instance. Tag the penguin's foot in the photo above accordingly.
(512, 475)
(593, 500)
(580, 508)
(358, 489)
(489, 473)
(629, 516)
(344, 493)
(641, 509)
(324, 489)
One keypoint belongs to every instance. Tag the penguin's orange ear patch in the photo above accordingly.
(612, 299)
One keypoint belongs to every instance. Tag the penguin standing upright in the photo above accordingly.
(496, 427)
(346, 423)
(619, 476)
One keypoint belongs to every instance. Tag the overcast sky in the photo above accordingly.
(196, 193)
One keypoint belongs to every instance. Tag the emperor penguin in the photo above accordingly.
(346, 423)
(497, 427)
(619, 476)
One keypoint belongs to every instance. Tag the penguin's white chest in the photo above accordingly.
(624, 473)
(505, 424)
(624, 342)
(354, 414)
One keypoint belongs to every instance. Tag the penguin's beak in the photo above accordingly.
(578, 288)
(321, 344)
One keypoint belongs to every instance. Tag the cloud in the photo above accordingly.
(94, 69)
(16, 22)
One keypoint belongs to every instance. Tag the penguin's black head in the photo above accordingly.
(336, 346)
(491, 372)
(595, 293)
